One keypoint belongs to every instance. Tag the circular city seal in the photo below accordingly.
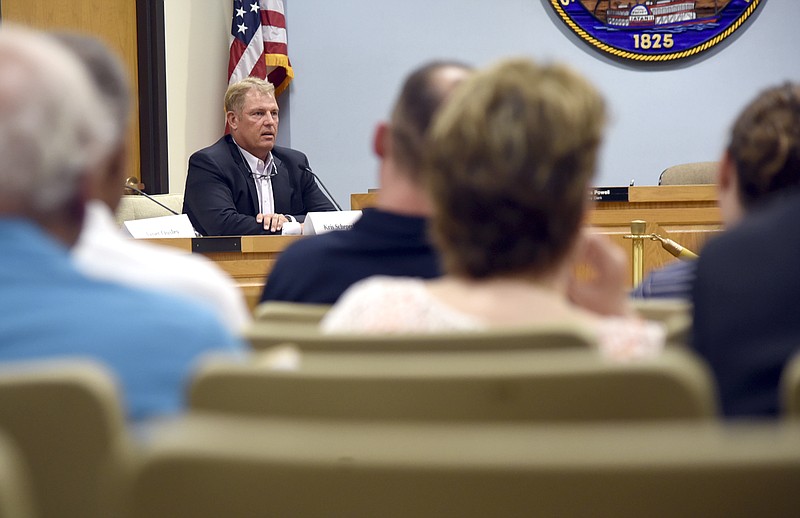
(654, 30)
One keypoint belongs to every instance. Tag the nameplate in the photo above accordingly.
(161, 227)
(608, 194)
(322, 222)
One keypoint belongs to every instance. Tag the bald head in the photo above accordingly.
(423, 92)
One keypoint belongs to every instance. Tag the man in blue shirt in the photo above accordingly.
(54, 133)
(390, 239)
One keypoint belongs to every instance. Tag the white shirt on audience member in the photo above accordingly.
(399, 305)
(104, 252)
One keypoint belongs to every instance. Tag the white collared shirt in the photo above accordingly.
(103, 252)
(260, 175)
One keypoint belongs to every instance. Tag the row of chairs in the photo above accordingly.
(278, 323)
(82, 462)
(569, 385)
(206, 466)
(356, 430)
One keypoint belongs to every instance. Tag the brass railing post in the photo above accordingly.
(637, 237)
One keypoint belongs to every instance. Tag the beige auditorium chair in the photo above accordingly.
(689, 173)
(290, 313)
(674, 314)
(211, 466)
(790, 388)
(523, 385)
(136, 206)
(67, 420)
(265, 334)
(15, 498)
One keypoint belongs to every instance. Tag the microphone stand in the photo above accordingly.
(322, 185)
(130, 185)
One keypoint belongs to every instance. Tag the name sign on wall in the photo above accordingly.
(654, 30)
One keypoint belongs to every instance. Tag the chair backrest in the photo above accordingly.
(265, 334)
(790, 388)
(674, 314)
(689, 173)
(67, 420)
(15, 500)
(136, 206)
(565, 385)
(291, 313)
(203, 467)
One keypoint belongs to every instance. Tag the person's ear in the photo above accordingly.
(726, 174)
(381, 142)
(232, 120)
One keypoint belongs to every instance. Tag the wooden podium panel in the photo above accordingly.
(687, 214)
(248, 259)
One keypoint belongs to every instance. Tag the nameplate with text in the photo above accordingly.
(322, 222)
(160, 228)
(608, 194)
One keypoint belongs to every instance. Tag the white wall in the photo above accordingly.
(349, 59)
(197, 63)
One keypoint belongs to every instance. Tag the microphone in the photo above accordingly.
(322, 185)
(674, 248)
(130, 183)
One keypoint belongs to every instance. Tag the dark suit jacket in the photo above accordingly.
(318, 269)
(746, 300)
(221, 198)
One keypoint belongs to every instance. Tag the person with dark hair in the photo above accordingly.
(390, 239)
(510, 159)
(747, 287)
(752, 172)
(244, 184)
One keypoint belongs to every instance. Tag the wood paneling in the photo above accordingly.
(113, 21)
(687, 214)
(249, 264)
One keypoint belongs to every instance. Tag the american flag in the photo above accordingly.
(258, 43)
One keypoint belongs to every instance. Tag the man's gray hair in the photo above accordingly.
(108, 73)
(53, 128)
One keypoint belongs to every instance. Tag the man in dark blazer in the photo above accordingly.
(747, 288)
(746, 296)
(244, 184)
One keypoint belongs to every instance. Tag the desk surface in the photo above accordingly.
(248, 259)
(670, 194)
(687, 214)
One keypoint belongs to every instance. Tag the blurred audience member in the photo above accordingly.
(748, 281)
(747, 179)
(512, 156)
(55, 132)
(103, 251)
(391, 239)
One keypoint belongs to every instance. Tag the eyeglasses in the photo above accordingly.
(273, 171)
